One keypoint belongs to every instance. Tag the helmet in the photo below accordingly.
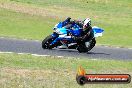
(87, 22)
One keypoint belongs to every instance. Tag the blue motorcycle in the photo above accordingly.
(63, 37)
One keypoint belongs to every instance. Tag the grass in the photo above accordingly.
(34, 19)
(21, 25)
(18, 71)
(38, 17)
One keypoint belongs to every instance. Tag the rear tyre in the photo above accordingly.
(92, 44)
(47, 41)
(83, 49)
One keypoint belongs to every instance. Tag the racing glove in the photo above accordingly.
(68, 19)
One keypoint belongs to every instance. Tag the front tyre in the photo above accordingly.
(47, 41)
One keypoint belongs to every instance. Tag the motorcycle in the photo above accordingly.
(63, 37)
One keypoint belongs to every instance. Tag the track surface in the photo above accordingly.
(34, 47)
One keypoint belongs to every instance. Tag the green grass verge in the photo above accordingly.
(24, 26)
(112, 15)
(26, 71)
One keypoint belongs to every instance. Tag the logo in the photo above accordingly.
(83, 78)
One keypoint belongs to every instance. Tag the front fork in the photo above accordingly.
(55, 37)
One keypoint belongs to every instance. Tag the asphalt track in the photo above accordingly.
(34, 47)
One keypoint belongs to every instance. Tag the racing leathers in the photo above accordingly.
(86, 34)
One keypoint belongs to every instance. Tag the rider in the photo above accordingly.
(87, 33)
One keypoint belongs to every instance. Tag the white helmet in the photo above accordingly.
(87, 22)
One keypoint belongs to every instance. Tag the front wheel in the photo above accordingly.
(47, 41)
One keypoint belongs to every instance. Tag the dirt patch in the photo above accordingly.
(24, 72)
(2, 80)
(28, 9)
(31, 72)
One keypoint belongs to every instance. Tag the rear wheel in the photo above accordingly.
(83, 49)
(92, 44)
(47, 41)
